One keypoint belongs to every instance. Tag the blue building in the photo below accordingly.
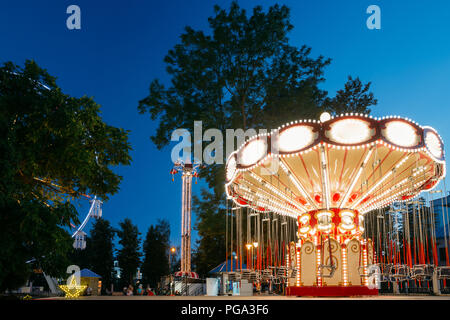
(441, 212)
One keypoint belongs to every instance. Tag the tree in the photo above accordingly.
(156, 250)
(243, 74)
(210, 250)
(129, 256)
(30, 232)
(101, 251)
(82, 258)
(53, 149)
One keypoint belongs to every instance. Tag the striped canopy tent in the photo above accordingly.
(86, 273)
(227, 266)
(190, 274)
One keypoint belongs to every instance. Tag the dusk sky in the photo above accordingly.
(121, 45)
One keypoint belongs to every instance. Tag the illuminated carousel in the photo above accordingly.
(301, 194)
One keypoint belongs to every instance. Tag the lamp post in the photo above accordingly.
(171, 251)
(255, 245)
(249, 256)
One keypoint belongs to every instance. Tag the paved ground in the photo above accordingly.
(236, 298)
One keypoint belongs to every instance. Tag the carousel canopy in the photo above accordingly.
(350, 161)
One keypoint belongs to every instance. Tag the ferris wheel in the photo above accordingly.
(79, 236)
(95, 210)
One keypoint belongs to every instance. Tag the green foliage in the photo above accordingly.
(53, 149)
(244, 74)
(129, 256)
(101, 251)
(82, 258)
(354, 98)
(210, 250)
(32, 230)
(156, 250)
(57, 145)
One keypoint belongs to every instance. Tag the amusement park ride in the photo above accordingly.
(188, 171)
(79, 235)
(309, 219)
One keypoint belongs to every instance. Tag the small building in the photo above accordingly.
(91, 280)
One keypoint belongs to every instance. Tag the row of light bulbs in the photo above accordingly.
(342, 115)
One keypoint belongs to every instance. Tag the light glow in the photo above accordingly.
(401, 134)
(433, 144)
(350, 131)
(231, 168)
(295, 138)
(253, 152)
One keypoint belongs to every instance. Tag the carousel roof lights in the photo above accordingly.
(325, 116)
(393, 198)
(295, 138)
(270, 203)
(279, 193)
(401, 134)
(325, 178)
(397, 186)
(311, 174)
(368, 192)
(297, 184)
(347, 195)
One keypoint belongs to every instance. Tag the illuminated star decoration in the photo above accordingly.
(73, 290)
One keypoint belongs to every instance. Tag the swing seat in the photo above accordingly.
(422, 271)
(234, 276)
(96, 209)
(399, 272)
(330, 270)
(280, 275)
(282, 272)
(384, 269)
(266, 274)
(372, 269)
(246, 274)
(253, 276)
(443, 272)
(293, 273)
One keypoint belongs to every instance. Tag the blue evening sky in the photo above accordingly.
(121, 46)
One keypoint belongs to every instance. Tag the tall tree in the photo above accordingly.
(156, 250)
(129, 255)
(53, 149)
(82, 258)
(243, 73)
(210, 248)
(101, 251)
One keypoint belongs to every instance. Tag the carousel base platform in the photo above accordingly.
(331, 291)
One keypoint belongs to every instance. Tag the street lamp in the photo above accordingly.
(171, 252)
(255, 244)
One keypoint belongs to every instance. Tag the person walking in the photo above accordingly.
(149, 291)
(130, 290)
(140, 291)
